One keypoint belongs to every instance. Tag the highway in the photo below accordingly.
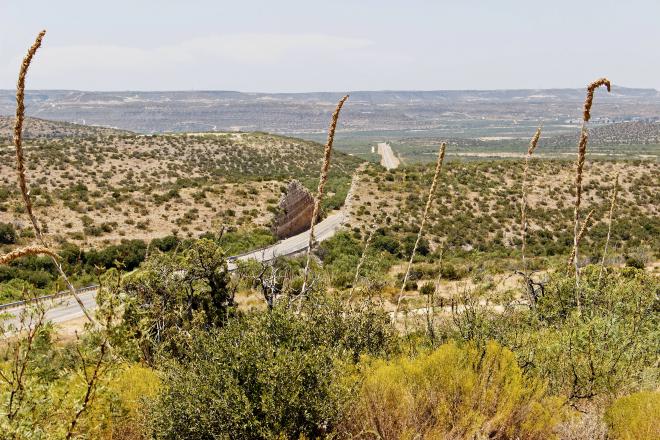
(292, 245)
(388, 159)
(66, 308)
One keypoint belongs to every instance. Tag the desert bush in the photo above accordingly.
(453, 392)
(47, 389)
(608, 347)
(127, 255)
(7, 233)
(166, 244)
(635, 417)
(270, 375)
(235, 242)
(427, 288)
(385, 242)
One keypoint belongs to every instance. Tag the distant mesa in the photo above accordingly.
(296, 208)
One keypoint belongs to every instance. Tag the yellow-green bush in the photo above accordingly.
(453, 392)
(125, 398)
(115, 411)
(635, 417)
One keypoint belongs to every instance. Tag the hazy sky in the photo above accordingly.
(338, 45)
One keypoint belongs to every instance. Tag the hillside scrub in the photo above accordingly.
(610, 347)
(102, 189)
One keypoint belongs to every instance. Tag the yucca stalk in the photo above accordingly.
(609, 225)
(361, 261)
(523, 207)
(24, 252)
(430, 300)
(582, 151)
(583, 230)
(323, 178)
(427, 208)
(20, 163)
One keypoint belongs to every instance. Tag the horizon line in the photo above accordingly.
(614, 86)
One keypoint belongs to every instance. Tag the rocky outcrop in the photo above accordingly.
(296, 208)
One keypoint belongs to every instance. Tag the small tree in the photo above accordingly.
(170, 295)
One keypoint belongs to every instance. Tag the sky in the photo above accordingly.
(338, 45)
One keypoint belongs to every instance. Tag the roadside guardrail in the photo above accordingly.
(53, 296)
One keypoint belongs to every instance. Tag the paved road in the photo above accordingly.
(292, 245)
(67, 309)
(59, 310)
(388, 159)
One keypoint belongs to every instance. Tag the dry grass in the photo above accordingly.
(591, 88)
(18, 129)
(323, 178)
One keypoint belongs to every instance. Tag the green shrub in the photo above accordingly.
(634, 261)
(449, 272)
(269, 375)
(610, 346)
(427, 288)
(7, 233)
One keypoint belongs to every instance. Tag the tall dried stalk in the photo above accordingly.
(321, 188)
(582, 151)
(523, 207)
(18, 129)
(429, 200)
(583, 230)
(20, 162)
(361, 262)
(25, 251)
(430, 300)
(609, 225)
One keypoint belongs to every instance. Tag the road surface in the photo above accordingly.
(67, 309)
(387, 157)
(292, 245)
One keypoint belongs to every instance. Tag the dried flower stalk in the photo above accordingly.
(322, 181)
(523, 207)
(20, 162)
(580, 236)
(609, 225)
(18, 128)
(591, 88)
(429, 200)
(24, 252)
(582, 151)
(361, 262)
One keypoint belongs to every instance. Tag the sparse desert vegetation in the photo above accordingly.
(465, 300)
(101, 189)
